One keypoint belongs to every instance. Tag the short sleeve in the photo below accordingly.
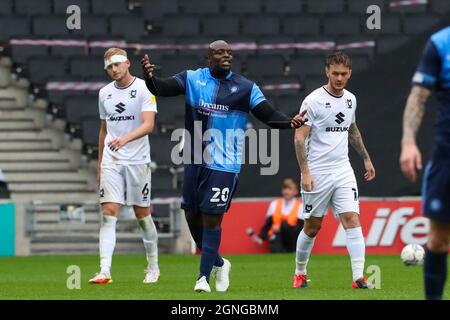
(429, 68)
(256, 96)
(306, 105)
(271, 209)
(181, 79)
(148, 101)
(101, 107)
(354, 113)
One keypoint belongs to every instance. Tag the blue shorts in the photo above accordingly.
(436, 190)
(206, 190)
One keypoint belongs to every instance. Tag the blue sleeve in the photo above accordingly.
(256, 96)
(181, 79)
(429, 68)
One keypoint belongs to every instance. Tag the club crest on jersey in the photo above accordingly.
(349, 103)
(234, 89)
(133, 93)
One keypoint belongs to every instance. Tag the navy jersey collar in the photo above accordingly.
(208, 72)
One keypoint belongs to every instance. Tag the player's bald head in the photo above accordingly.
(217, 45)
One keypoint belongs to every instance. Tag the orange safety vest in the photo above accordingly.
(278, 217)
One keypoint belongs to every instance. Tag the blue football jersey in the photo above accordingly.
(434, 73)
(216, 117)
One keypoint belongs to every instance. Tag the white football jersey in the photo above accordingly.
(121, 108)
(329, 117)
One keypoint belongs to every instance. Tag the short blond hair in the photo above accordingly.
(113, 51)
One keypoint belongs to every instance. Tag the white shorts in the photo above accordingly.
(126, 184)
(336, 190)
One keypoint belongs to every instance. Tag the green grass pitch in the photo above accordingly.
(252, 277)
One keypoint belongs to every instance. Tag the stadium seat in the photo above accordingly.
(21, 53)
(90, 127)
(221, 25)
(280, 39)
(201, 6)
(243, 7)
(60, 6)
(6, 7)
(306, 65)
(162, 184)
(86, 66)
(130, 27)
(301, 25)
(12, 26)
(386, 44)
(42, 68)
(253, 26)
(413, 8)
(360, 6)
(283, 6)
(369, 51)
(318, 51)
(109, 7)
(32, 8)
(419, 23)
(93, 25)
(181, 25)
(112, 41)
(314, 82)
(170, 109)
(76, 107)
(56, 97)
(174, 64)
(339, 25)
(360, 62)
(160, 148)
(267, 65)
(50, 25)
(156, 9)
(157, 39)
(201, 41)
(440, 6)
(289, 103)
(390, 25)
(325, 6)
(68, 51)
(274, 80)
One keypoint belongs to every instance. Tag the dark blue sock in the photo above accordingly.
(210, 248)
(197, 235)
(435, 274)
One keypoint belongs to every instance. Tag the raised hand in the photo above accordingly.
(147, 67)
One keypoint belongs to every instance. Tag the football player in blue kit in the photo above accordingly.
(433, 73)
(218, 102)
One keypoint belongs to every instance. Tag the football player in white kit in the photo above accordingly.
(127, 112)
(327, 178)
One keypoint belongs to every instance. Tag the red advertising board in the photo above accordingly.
(388, 225)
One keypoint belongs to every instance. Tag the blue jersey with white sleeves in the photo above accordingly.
(434, 73)
(216, 117)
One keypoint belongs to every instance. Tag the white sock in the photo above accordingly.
(150, 239)
(304, 247)
(356, 249)
(107, 242)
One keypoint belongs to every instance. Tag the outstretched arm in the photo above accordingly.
(168, 87)
(276, 119)
(355, 139)
(301, 134)
(410, 158)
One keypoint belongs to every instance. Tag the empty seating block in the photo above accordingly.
(276, 40)
(93, 25)
(243, 7)
(301, 25)
(360, 6)
(307, 65)
(221, 25)
(156, 9)
(201, 6)
(129, 26)
(21, 53)
(283, 6)
(90, 127)
(11, 26)
(68, 51)
(261, 25)
(174, 64)
(170, 109)
(87, 66)
(342, 25)
(325, 6)
(42, 68)
(110, 7)
(440, 6)
(160, 148)
(77, 107)
(181, 25)
(386, 44)
(390, 25)
(6, 7)
(419, 23)
(33, 7)
(412, 8)
(60, 6)
(269, 65)
(50, 25)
